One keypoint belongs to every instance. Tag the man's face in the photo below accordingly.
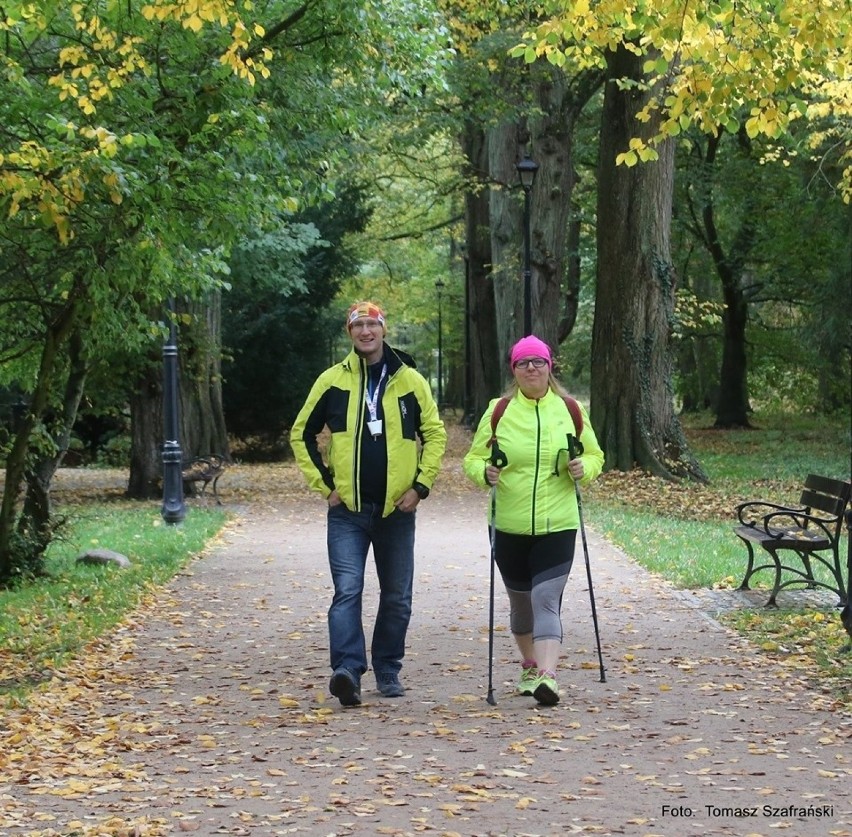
(366, 334)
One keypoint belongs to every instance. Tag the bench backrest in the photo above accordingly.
(828, 496)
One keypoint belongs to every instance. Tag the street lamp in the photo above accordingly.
(173, 510)
(439, 286)
(527, 169)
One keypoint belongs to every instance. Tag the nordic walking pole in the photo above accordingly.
(498, 459)
(573, 452)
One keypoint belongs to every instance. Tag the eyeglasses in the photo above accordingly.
(368, 324)
(535, 362)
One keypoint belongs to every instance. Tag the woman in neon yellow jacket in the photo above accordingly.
(535, 510)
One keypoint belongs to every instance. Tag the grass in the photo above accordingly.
(45, 622)
(689, 554)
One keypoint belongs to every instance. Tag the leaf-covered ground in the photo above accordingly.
(207, 711)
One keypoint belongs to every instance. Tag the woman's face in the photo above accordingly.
(531, 374)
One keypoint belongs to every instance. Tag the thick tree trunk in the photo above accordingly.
(505, 223)
(201, 414)
(631, 398)
(733, 403)
(549, 140)
(485, 371)
(554, 224)
(146, 433)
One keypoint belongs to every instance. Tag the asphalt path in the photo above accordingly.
(208, 711)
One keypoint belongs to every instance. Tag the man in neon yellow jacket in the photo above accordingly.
(387, 442)
(536, 515)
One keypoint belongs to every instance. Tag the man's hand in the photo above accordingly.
(408, 502)
(334, 499)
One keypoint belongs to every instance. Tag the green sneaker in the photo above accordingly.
(546, 692)
(528, 681)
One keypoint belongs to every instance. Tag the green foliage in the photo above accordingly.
(782, 234)
(277, 332)
(716, 67)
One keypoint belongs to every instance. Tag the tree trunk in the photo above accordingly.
(201, 413)
(549, 140)
(505, 224)
(485, 363)
(35, 520)
(732, 407)
(555, 230)
(55, 336)
(733, 403)
(698, 356)
(146, 433)
(631, 394)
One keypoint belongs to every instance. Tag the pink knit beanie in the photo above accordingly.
(530, 347)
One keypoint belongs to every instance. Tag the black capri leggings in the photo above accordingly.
(535, 569)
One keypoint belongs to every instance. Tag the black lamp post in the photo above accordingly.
(527, 169)
(173, 510)
(439, 287)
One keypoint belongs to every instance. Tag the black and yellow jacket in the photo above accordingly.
(415, 434)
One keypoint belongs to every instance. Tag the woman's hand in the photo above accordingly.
(492, 474)
(576, 469)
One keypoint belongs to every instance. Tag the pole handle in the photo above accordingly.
(575, 447)
(498, 458)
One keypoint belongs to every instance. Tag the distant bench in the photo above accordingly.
(810, 531)
(206, 470)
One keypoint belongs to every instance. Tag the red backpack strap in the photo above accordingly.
(499, 409)
(570, 403)
(576, 415)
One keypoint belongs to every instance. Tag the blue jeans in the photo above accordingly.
(350, 535)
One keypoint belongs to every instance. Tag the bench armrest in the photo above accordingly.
(799, 519)
(754, 512)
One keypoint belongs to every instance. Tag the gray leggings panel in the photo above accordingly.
(537, 611)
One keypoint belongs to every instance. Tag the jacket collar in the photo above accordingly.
(533, 401)
(394, 358)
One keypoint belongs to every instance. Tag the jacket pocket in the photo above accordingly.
(409, 415)
(337, 409)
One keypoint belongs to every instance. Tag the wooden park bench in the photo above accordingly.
(810, 531)
(206, 470)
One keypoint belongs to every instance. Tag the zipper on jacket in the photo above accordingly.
(537, 463)
(356, 436)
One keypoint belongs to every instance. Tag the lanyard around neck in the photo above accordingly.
(371, 397)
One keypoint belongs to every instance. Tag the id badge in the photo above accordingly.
(375, 427)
